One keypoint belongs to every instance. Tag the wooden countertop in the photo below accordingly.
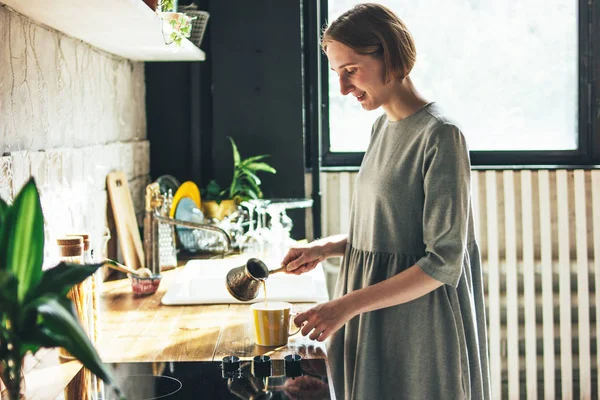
(140, 329)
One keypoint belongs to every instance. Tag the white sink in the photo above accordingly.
(203, 282)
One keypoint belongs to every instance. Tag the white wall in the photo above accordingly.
(69, 114)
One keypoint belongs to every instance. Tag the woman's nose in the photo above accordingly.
(345, 86)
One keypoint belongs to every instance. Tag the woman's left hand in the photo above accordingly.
(324, 319)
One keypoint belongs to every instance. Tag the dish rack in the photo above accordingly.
(194, 240)
(153, 240)
(159, 235)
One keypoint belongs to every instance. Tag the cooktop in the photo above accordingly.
(260, 378)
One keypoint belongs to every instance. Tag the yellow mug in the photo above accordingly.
(271, 323)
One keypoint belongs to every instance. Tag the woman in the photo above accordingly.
(408, 317)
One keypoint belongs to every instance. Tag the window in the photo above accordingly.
(515, 75)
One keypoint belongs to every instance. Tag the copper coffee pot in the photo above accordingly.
(244, 281)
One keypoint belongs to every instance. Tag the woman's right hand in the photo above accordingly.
(302, 258)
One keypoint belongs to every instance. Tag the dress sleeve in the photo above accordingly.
(446, 181)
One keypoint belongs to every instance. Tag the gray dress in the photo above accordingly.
(411, 205)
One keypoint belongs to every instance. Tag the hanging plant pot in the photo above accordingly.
(198, 24)
(176, 27)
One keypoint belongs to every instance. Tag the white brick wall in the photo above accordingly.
(69, 114)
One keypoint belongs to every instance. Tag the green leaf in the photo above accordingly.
(252, 194)
(25, 247)
(29, 348)
(245, 193)
(249, 160)
(236, 154)
(213, 188)
(235, 184)
(59, 328)
(251, 177)
(3, 345)
(4, 211)
(222, 195)
(236, 187)
(64, 276)
(3, 208)
(167, 5)
(261, 167)
(251, 185)
(258, 194)
(4, 232)
(32, 321)
(245, 184)
(8, 292)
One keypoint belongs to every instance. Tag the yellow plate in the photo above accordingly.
(187, 189)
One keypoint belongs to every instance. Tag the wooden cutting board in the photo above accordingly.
(125, 221)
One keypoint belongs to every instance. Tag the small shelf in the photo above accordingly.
(126, 28)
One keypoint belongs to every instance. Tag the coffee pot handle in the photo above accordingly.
(274, 271)
(292, 316)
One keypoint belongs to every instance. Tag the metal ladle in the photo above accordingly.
(243, 282)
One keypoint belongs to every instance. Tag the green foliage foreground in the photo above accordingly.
(34, 309)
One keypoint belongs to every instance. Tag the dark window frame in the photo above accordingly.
(587, 154)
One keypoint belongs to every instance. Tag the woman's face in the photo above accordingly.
(359, 75)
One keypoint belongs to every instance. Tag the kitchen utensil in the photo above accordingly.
(125, 221)
(120, 267)
(143, 281)
(244, 281)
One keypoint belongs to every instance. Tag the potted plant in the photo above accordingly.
(245, 185)
(34, 309)
(177, 25)
(167, 5)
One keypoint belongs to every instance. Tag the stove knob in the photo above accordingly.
(293, 367)
(261, 366)
(230, 364)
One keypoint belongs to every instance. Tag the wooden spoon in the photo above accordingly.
(120, 267)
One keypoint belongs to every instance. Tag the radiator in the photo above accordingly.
(539, 233)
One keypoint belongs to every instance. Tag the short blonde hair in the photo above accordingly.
(373, 29)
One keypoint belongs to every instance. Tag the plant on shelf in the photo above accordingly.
(167, 5)
(179, 25)
(245, 184)
(34, 309)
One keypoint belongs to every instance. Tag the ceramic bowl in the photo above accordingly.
(144, 286)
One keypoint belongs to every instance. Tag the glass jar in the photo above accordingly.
(71, 249)
(86, 256)
(93, 287)
(92, 282)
